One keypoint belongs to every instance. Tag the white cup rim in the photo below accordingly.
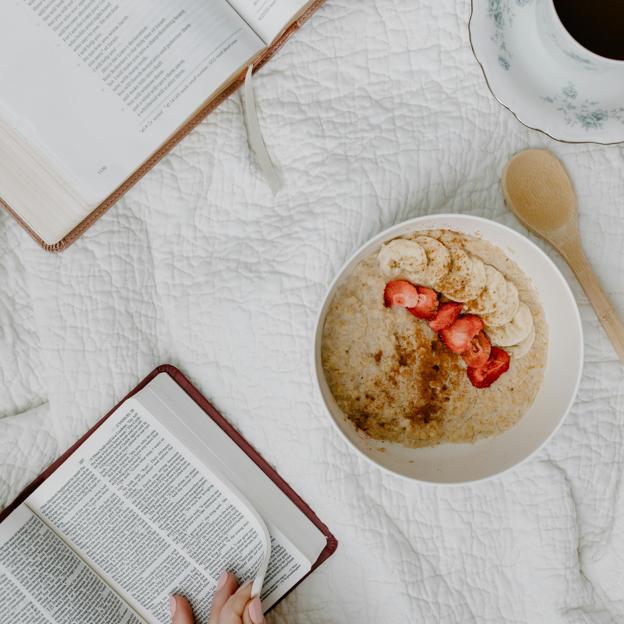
(579, 46)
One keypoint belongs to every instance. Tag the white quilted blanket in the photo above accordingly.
(376, 111)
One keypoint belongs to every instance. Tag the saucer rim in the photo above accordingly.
(513, 112)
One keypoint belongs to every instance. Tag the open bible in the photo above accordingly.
(93, 93)
(160, 498)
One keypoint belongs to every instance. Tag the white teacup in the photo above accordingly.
(562, 44)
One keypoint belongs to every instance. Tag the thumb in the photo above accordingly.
(181, 612)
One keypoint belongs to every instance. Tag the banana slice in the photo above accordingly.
(495, 290)
(506, 307)
(514, 332)
(522, 348)
(438, 261)
(402, 258)
(466, 277)
(478, 279)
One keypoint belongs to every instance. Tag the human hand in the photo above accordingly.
(231, 605)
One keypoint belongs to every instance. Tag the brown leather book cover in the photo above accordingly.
(235, 436)
(197, 118)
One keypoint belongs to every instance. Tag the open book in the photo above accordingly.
(94, 93)
(160, 498)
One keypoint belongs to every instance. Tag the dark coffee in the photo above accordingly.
(597, 25)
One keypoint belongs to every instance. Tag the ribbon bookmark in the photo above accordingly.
(254, 136)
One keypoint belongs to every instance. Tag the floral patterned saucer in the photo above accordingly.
(566, 97)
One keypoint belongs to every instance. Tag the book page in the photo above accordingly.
(150, 518)
(296, 541)
(99, 86)
(42, 581)
(269, 17)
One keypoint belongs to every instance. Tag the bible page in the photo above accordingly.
(296, 542)
(42, 581)
(101, 85)
(269, 17)
(149, 518)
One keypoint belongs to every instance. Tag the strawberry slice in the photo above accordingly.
(447, 314)
(401, 293)
(485, 376)
(478, 352)
(427, 304)
(459, 335)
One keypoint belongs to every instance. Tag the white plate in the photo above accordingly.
(464, 463)
(544, 90)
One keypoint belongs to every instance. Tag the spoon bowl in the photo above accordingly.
(539, 191)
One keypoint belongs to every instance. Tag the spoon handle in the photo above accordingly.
(576, 258)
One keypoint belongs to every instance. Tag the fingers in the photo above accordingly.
(229, 605)
(253, 612)
(246, 616)
(232, 611)
(226, 586)
(181, 612)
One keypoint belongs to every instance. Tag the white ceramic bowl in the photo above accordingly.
(465, 463)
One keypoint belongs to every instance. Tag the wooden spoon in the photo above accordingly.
(538, 190)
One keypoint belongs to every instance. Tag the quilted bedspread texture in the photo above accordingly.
(376, 111)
